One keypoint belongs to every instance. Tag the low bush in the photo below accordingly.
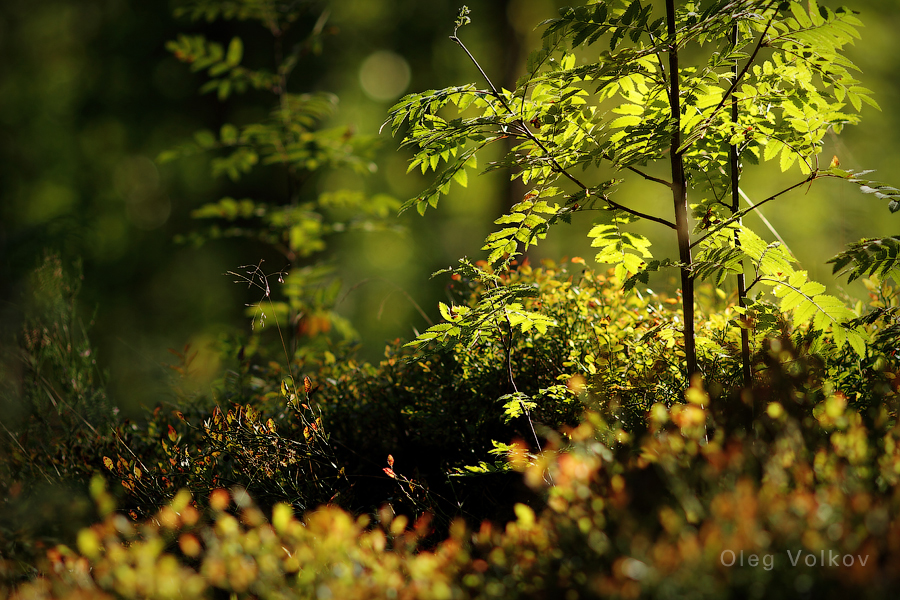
(657, 494)
(802, 504)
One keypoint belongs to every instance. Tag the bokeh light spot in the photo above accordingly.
(137, 180)
(384, 75)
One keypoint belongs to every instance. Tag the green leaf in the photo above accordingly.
(445, 311)
(228, 134)
(461, 177)
(800, 14)
(869, 257)
(626, 121)
(235, 52)
(205, 139)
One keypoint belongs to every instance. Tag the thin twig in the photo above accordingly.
(765, 221)
(737, 216)
(26, 453)
(396, 288)
(554, 163)
(668, 184)
(507, 347)
(759, 45)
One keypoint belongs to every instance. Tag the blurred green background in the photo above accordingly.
(89, 97)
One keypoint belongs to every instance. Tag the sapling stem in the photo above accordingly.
(738, 77)
(679, 196)
(734, 161)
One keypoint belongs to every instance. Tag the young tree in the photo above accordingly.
(280, 154)
(610, 93)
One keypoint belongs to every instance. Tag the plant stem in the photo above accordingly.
(679, 195)
(746, 373)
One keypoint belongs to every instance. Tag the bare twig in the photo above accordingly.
(738, 215)
(396, 288)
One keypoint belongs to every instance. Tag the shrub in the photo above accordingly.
(677, 511)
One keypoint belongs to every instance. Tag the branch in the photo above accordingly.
(494, 90)
(766, 222)
(738, 215)
(662, 68)
(554, 163)
(650, 177)
(630, 168)
(739, 77)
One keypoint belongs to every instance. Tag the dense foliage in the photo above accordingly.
(579, 123)
(545, 439)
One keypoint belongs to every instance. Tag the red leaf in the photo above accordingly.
(390, 473)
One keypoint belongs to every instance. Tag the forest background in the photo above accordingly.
(89, 98)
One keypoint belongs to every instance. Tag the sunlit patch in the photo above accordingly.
(388, 252)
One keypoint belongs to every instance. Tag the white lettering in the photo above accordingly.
(722, 558)
(810, 556)
(792, 559)
(846, 556)
(768, 562)
(861, 561)
(832, 559)
(753, 560)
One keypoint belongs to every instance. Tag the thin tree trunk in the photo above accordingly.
(747, 374)
(679, 193)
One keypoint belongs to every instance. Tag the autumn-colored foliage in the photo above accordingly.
(658, 494)
(677, 512)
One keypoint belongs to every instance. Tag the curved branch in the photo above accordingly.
(759, 45)
(554, 163)
(738, 215)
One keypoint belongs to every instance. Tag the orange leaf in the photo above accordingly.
(390, 460)
(390, 473)
(108, 463)
(173, 435)
(189, 544)
(307, 385)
